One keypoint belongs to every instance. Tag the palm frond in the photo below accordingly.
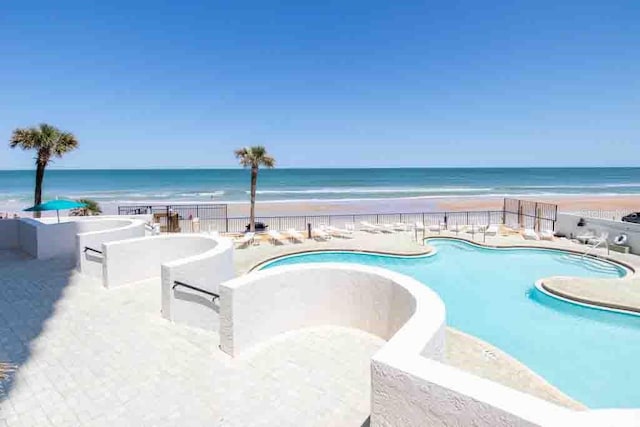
(48, 140)
(254, 157)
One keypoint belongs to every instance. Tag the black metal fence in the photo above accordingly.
(213, 217)
(530, 214)
(301, 222)
(182, 217)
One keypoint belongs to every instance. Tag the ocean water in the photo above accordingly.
(589, 354)
(232, 185)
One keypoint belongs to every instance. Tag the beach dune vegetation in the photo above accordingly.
(91, 208)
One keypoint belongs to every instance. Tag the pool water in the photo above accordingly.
(591, 355)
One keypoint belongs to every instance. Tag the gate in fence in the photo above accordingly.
(182, 217)
(530, 214)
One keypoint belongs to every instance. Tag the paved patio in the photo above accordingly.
(91, 356)
(95, 357)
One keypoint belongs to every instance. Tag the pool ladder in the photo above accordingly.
(599, 241)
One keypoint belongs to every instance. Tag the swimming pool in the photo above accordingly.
(590, 354)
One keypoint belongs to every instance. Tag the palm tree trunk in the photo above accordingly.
(254, 184)
(37, 198)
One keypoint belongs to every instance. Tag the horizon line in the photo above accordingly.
(320, 168)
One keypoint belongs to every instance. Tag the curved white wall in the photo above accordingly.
(195, 259)
(410, 385)
(93, 233)
(9, 235)
(205, 271)
(260, 305)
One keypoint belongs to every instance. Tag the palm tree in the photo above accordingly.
(50, 142)
(92, 208)
(254, 157)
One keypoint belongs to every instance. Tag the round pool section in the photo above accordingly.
(590, 354)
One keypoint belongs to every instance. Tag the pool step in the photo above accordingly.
(590, 264)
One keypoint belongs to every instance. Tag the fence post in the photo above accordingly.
(308, 230)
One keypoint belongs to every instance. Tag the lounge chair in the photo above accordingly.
(588, 235)
(371, 228)
(418, 226)
(320, 234)
(338, 232)
(456, 228)
(245, 240)
(350, 227)
(479, 228)
(530, 234)
(492, 230)
(435, 228)
(400, 226)
(276, 237)
(387, 228)
(295, 236)
(546, 235)
(600, 239)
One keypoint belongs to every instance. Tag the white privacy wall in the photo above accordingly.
(568, 224)
(94, 233)
(411, 386)
(205, 271)
(195, 259)
(46, 238)
(9, 236)
(133, 260)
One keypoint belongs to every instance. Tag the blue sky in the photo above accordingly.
(332, 83)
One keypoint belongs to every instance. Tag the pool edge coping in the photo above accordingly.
(630, 271)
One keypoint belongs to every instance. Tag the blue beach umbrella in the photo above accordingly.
(56, 205)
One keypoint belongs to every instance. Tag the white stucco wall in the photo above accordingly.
(260, 305)
(568, 224)
(205, 271)
(196, 259)
(410, 384)
(94, 233)
(45, 238)
(9, 236)
(133, 260)
(28, 237)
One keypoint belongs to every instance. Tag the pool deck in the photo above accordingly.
(88, 356)
(463, 351)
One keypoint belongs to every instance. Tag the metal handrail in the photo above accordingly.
(195, 288)
(592, 247)
(86, 248)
